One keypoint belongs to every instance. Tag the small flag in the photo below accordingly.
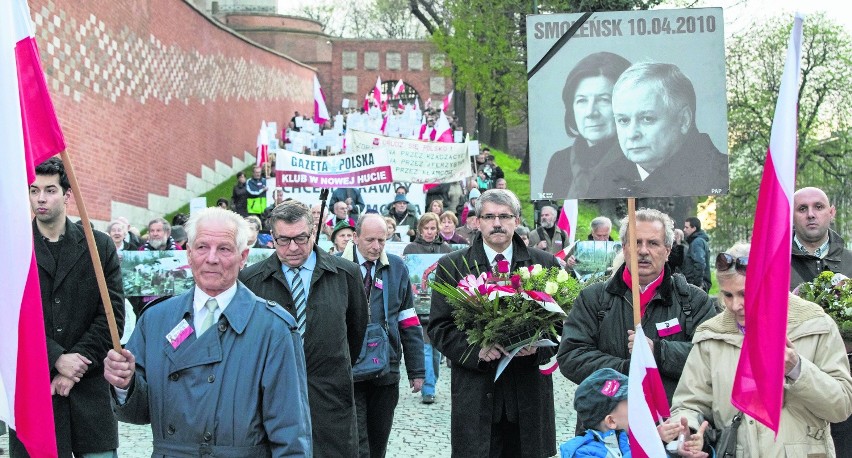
(568, 220)
(445, 104)
(398, 88)
(646, 400)
(320, 108)
(377, 91)
(443, 131)
(262, 145)
(759, 381)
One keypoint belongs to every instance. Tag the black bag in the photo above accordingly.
(374, 360)
(726, 446)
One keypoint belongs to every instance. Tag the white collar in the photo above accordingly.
(642, 172)
(490, 252)
(224, 298)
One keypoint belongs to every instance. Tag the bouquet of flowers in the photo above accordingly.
(833, 292)
(510, 309)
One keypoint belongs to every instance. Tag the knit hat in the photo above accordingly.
(598, 395)
(474, 194)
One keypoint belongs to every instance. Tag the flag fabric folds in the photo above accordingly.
(29, 134)
(759, 382)
(443, 130)
(320, 108)
(398, 88)
(646, 400)
(263, 144)
(445, 104)
(568, 220)
(377, 91)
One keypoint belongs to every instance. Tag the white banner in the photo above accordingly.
(366, 168)
(413, 160)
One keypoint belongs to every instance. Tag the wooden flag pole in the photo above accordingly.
(634, 262)
(93, 251)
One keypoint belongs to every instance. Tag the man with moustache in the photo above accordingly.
(326, 295)
(514, 415)
(548, 236)
(598, 332)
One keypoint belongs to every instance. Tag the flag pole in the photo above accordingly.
(93, 251)
(634, 263)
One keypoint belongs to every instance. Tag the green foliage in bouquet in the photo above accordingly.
(833, 292)
(511, 309)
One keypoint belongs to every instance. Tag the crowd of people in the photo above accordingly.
(304, 312)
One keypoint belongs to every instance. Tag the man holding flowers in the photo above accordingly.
(598, 333)
(512, 416)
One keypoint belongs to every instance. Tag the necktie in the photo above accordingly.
(368, 278)
(297, 288)
(211, 306)
(498, 258)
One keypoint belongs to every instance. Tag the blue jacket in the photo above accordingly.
(404, 329)
(590, 445)
(239, 390)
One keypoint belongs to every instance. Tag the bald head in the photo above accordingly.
(812, 217)
(370, 235)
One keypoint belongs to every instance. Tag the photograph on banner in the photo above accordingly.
(165, 273)
(632, 105)
(594, 258)
(377, 197)
(421, 271)
(414, 160)
(364, 168)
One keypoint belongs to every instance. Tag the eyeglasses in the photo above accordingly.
(299, 239)
(725, 261)
(504, 218)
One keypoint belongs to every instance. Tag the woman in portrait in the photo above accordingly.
(588, 120)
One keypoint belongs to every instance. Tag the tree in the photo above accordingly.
(755, 63)
(379, 19)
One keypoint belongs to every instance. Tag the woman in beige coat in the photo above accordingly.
(817, 385)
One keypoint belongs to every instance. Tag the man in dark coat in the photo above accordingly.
(78, 336)
(696, 262)
(334, 321)
(661, 151)
(514, 415)
(598, 332)
(817, 248)
(386, 284)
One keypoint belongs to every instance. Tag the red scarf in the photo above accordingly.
(644, 296)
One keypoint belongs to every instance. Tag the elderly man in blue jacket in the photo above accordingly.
(217, 370)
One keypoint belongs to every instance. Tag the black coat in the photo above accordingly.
(475, 394)
(335, 328)
(75, 322)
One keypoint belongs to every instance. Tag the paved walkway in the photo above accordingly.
(418, 429)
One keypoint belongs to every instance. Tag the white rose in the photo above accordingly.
(562, 276)
(524, 273)
(536, 270)
(551, 288)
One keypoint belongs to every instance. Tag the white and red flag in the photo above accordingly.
(320, 108)
(646, 400)
(759, 382)
(262, 144)
(398, 88)
(568, 220)
(445, 104)
(443, 130)
(29, 134)
(377, 91)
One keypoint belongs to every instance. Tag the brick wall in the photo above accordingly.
(149, 91)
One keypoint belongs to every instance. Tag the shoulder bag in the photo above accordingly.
(374, 360)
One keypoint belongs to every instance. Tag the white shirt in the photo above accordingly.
(490, 253)
(642, 172)
(200, 300)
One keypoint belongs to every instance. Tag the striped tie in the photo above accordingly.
(297, 288)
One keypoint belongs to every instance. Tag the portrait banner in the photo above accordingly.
(414, 160)
(633, 104)
(352, 170)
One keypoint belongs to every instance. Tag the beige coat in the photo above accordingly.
(822, 393)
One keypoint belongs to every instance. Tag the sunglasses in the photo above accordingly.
(725, 261)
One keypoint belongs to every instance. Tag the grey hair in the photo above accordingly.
(522, 231)
(166, 226)
(600, 221)
(739, 250)
(364, 217)
(499, 197)
(116, 223)
(674, 88)
(218, 214)
(290, 212)
(650, 215)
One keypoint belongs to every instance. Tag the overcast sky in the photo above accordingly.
(738, 13)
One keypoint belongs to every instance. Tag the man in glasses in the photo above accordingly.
(326, 295)
(598, 332)
(514, 413)
(817, 248)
